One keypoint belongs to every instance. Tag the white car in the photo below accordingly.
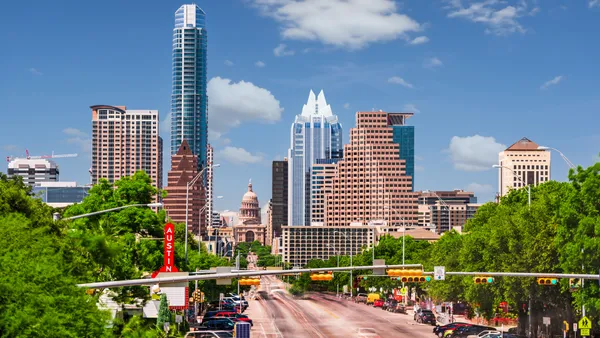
(483, 334)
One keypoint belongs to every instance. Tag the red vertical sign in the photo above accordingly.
(169, 260)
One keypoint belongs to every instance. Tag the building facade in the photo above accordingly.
(189, 120)
(279, 196)
(315, 134)
(60, 194)
(34, 171)
(124, 142)
(321, 184)
(269, 238)
(300, 244)
(249, 227)
(526, 165)
(371, 182)
(183, 169)
(446, 210)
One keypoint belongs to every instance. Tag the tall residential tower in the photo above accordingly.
(315, 134)
(189, 112)
(523, 163)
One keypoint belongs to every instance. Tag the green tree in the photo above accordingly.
(164, 314)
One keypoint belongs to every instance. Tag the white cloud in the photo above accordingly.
(400, 81)
(79, 138)
(553, 82)
(499, 16)
(346, 105)
(238, 155)
(419, 40)
(35, 71)
(411, 108)
(479, 188)
(282, 50)
(474, 153)
(349, 24)
(9, 147)
(232, 103)
(229, 63)
(432, 63)
(594, 3)
(260, 64)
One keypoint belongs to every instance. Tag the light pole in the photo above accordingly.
(337, 290)
(498, 166)
(346, 239)
(569, 163)
(187, 202)
(199, 234)
(56, 215)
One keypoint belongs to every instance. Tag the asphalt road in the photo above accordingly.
(278, 314)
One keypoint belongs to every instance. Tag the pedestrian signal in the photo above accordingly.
(574, 283)
(547, 281)
(483, 280)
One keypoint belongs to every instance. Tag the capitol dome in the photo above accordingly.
(250, 196)
(250, 210)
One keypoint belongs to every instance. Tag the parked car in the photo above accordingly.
(372, 297)
(378, 303)
(386, 304)
(466, 331)
(440, 330)
(236, 317)
(425, 317)
(484, 333)
(224, 324)
(399, 308)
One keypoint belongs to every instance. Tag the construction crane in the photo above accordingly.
(29, 157)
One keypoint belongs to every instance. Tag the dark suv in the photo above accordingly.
(224, 324)
(425, 317)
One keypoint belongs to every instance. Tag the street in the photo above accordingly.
(278, 314)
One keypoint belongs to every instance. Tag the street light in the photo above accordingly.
(187, 198)
(569, 163)
(56, 215)
(337, 253)
(346, 238)
(498, 166)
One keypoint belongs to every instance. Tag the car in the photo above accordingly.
(236, 317)
(360, 298)
(440, 330)
(425, 317)
(210, 324)
(399, 308)
(466, 331)
(209, 334)
(484, 333)
(378, 303)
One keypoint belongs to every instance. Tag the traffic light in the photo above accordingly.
(483, 280)
(574, 283)
(322, 276)
(249, 281)
(404, 272)
(547, 281)
(198, 296)
(422, 279)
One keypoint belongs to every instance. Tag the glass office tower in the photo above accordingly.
(315, 134)
(405, 137)
(189, 110)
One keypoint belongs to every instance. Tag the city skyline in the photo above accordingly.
(475, 86)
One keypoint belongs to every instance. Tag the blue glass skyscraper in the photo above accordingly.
(405, 136)
(315, 134)
(189, 99)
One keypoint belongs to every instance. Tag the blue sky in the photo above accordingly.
(501, 70)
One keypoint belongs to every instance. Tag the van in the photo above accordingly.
(372, 297)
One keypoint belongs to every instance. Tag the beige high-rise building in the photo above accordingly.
(526, 165)
(446, 210)
(124, 142)
(321, 184)
(371, 182)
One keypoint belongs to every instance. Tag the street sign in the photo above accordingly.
(403, 290)
(585, 323)
(439, 273)
(546, 320)
(574, 326)
(585, 332)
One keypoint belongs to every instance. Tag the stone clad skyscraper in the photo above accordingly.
(315, 134)
(189, 111)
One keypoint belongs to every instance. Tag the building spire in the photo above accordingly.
(250, 185)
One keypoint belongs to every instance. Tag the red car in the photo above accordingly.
(234, 317)
(378, 303)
